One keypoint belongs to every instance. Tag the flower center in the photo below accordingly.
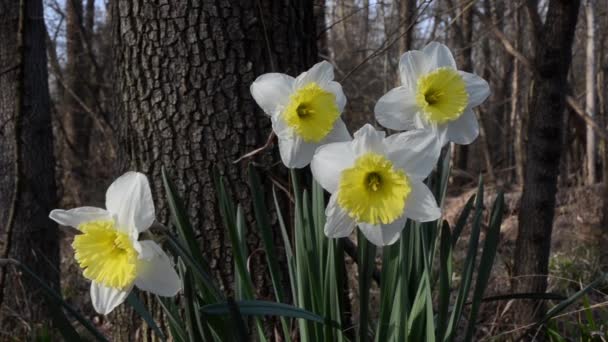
(106, 255)
(373, 191)
(311, 112)
(442, 95)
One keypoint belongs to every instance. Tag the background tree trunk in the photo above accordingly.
(183, 72)
(590, 78)
(27, 177)
(552, 61)
(76, 122)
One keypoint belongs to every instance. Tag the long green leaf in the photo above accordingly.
(264, 308)
(367, 258)
(171, 311)
(486, 262)
(141, 310)
(265, 229)
(468, 266)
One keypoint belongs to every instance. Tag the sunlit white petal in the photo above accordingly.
(129, 199)
(439, 56)
(368, 139)
(412, 65)
(477, 88)
(397, 109)
(336, 89)
(338, 223)
(463, 130)
(321, 73)
(74, 217)
(417, 151)
(271, 91)
(157, 274)
(328, 163)
(383, 234)
(106, 299)
(421, 205)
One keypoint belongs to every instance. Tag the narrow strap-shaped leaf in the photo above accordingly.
(367, 256)
(468, 266)
(486, 262)
(445, 278)
(462, 220)
(175, 322)
(264, 308)
(141, 311)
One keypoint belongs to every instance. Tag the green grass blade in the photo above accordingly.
(237, 321)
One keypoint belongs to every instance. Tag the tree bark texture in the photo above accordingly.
(27, 178)
(543, 150)
(183, 71)
(590, 78)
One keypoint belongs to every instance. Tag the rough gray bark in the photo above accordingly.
(27, 181)
(183, 72)
(552, 62)
(407, 16)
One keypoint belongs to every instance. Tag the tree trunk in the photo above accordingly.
(183, 72)
(407, 15)
(590, 92)
(76, 122)
(27, 177)
(465, 62)
(552, 61)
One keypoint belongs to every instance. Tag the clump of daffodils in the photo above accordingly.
(376, 183)
(305, 111)
(108, 248)
(434, 94)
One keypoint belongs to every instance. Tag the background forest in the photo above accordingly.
(90, 89)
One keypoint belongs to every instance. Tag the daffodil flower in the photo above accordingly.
(376, 182)
(305, 111)
(434, 94)
(108, 249)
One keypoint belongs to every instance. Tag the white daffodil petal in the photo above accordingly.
(74, 217)
(383, 234)
(421, 205)
(321, 73)
(463, 130)
(412, 65)
(129, 199)
(368, 139)
(477, 88)
(271, 91)
(329, 161)
(295, 152)
(338, 134)
(439, 56)
(157, 274)
(417, 151)
(336, 89)
(106, 299)
(338, 223)
(397, 109)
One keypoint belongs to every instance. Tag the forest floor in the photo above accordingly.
(574, 257)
